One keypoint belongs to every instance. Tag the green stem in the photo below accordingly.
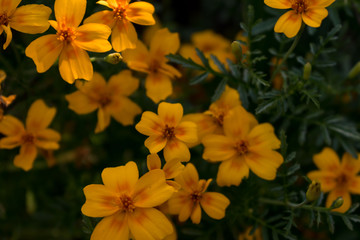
(287, 54)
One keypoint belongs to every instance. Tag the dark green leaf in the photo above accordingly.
(218, 63)
(330, 222)
(187, 63)
(219, 90)
(202, 57)
(198, 79)
(347, 223)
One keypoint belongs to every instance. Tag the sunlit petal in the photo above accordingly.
(25, 159)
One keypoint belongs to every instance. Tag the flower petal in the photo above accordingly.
(164, 42)
(10, 142)
(153, 161)
(354, 185)
(327, 159)
(321, 3)
(124, 110)
(238, 124)
(140, 13)
(25, 159)
(93, 37)
(104, 119)
(8, 36)
(170, 113)
(155, 143)
(176, 149)
(349, 164)
(123, 36)
(9, 6)
(123, 83)
(264, 163)
(81, 103)
(196, 214)
(189, 178)
(278, 4)
(214, 204)
(314, 16)
(173, 168)
(39, 116)
(218, 147)
(232, 171)
(11, 126)
(327, 179)
(334, 194)
(47, 139)
(137, 59)
(263, 136)
(289, 24)
(228, 100)
(104, 17)
(186, 132)
(112, 227)
(150, 124)
(158, 86)
(70, 12)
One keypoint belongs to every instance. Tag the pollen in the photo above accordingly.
(127, 203)
(28, 138)
(67, 34)
(169, 132)
(299, 6)
(120, 13)
(4, 19)
(242, 147)
(219, 118)
(196, 196)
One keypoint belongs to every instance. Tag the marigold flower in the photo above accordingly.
(311, 12)
(4, 101)
(111, 99)
(70, 43)
(188, 201)
(31, 18)
(167, 131)
(119, 20)
(128, 203)
(154, 63)
(248, 236)
(245, 145)
(338, 178)
(35, 135)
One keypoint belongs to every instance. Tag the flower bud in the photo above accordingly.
(337, 203)
(354, 71)
(307, 71)
(313, 192)
(113, 58)
(236, 49)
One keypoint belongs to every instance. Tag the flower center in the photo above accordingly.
(127, 203)
(4, 19)
(342, 180)
(104, 101)
(169, 132)
(196, 196)
(299, 6)
(28, 138)
(120, 13)
(67, 34)
(154, 66)
(242, 147)
(219, 118)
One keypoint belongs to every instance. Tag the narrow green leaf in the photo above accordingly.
(202, 57)
(234, 69)
(330, 222)
(291, 170)
(219, 90)
(198, 79)
(348, 223)
(318, 218)
(187, 63)
(290, 157)
(218, 63)
(326, 134)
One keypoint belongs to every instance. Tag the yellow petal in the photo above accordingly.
(153, 161)
(81, 103)
(289, 24)
(178, 201)
(350, 165)
(155, 143)
(70, 12)
(149, 224)
(103, 120)
(327, 159)
(238, 124)
(93, 87)
(176, 149)
(93, 37)
(123, 36)
(164, 43)
(47, 139)
(8, 36)
(186, 210)
(112, 227)
(100, 201)
(137, 58)
(31, 18)
(186, 132)
(121, 179)
(11, 126)
(189, 178)
(10, 142)
(44, 51)
(214, 204)
(170, 113)
(124, 110)
(123, 83)
(158, 87)
(25, 159)
(151, 190)
(314, 16)
(354, 185)
(279, 4)
(321, 3)
(334, 194)
(150, 124)
(104, 17)
(327, 179)
(74, 63)
(169, 70)
(218, 147)
(140, 13)
(39, 116)
(205, 125)
(196, 214)
(264, 163)
(228, 100)
(173, 168)
(9, 6)
(232, 171)
(263, 136)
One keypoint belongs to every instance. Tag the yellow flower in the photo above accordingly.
(245, 145)
(119, 20)
(247, 236)
(4, 101)
(167, 131)
(128, 203)
(339, 179)
(31, 18)
(188, 201)
(311, 12)
(35, 135)
(154, 63)
(111, 99)
(70, 43)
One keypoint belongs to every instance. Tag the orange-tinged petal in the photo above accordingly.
(140, 13)
(173, 168)
(264, 163)
(350, 165)
(218, 147)
(279, 4)
(205, 125)
(338, 192)
(104, 17)
(327, 159)
(103, 122)
(137, 58)
(176, 149)
(109, 3)
(149, 224)
(314, 16)
(289, 24)
(155, 143)
(150, 124)
(93, 87)
(186, 132)
(232, 171)
(169, 70)
(263, 135)
(44, 51)
(93, 37)
(81, 103)
(228, 100)
(189, 178)
(158, 86)
(124, 110)
(327, 179)
(170, 113)
(11, 126)
(321, 3)
(196, 214)
(31, 18)
(178, 201)
(123, 36)
(25, 159)
(8, 36)
(354, 185)
(74, 63)
(39, 116)
(153, 161)
(112, 227)
(164, 43)
(70, 12)
(9, 6)
(214, 204)
(186, 210)
(100, 201)
(151, 190)
(47, 139)
(121, 179)
(10, 142)
(238, 124)
(123, 83)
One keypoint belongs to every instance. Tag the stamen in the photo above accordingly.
(28, 138)
(104, 101)
(68, 34)
(342, 180)
(4, 19)
(196, 196)
(299, 6)
(169, 132)
(242, 147)
(120, 13)
(127, 203)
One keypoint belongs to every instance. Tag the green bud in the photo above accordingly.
(307, 71)
(313, 192)
(236, 49)
(113, 58)
(337, 203)
(354, 71)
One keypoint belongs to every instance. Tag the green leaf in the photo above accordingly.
(218, 63)
(290, 157)
(198, 79)
(187, 63)
(202, 57)
(293, 169)
(234, 69)
(348, 147)
(219, 90)
(318, 218)
(302, 132)
(263, 26)
(330, 222)
(353, 208)
(347, 223)
(312, 218)
(326, 134)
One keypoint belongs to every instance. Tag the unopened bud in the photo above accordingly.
(307, 71)
(354, 71)
(113, 58)
(236, 49)
(337, 203)
(313, 192)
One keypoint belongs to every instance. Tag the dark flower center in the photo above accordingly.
(299, 6)
(120, 13)
(66, 35)
(127, 203)
(195, 196)
(242, 147)
(28, 138)
(169, 132)
(4, 19)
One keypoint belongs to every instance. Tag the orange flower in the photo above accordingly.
(188, 201)
(154, 63)
(35, 135)
(4, 101)
(119, 20)
(339, 179)
(248, 236)
(70, 43)
(245, 145)
(167, 131)
(312, 12)
(111, 99)
(128, 203)
(31, 18)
